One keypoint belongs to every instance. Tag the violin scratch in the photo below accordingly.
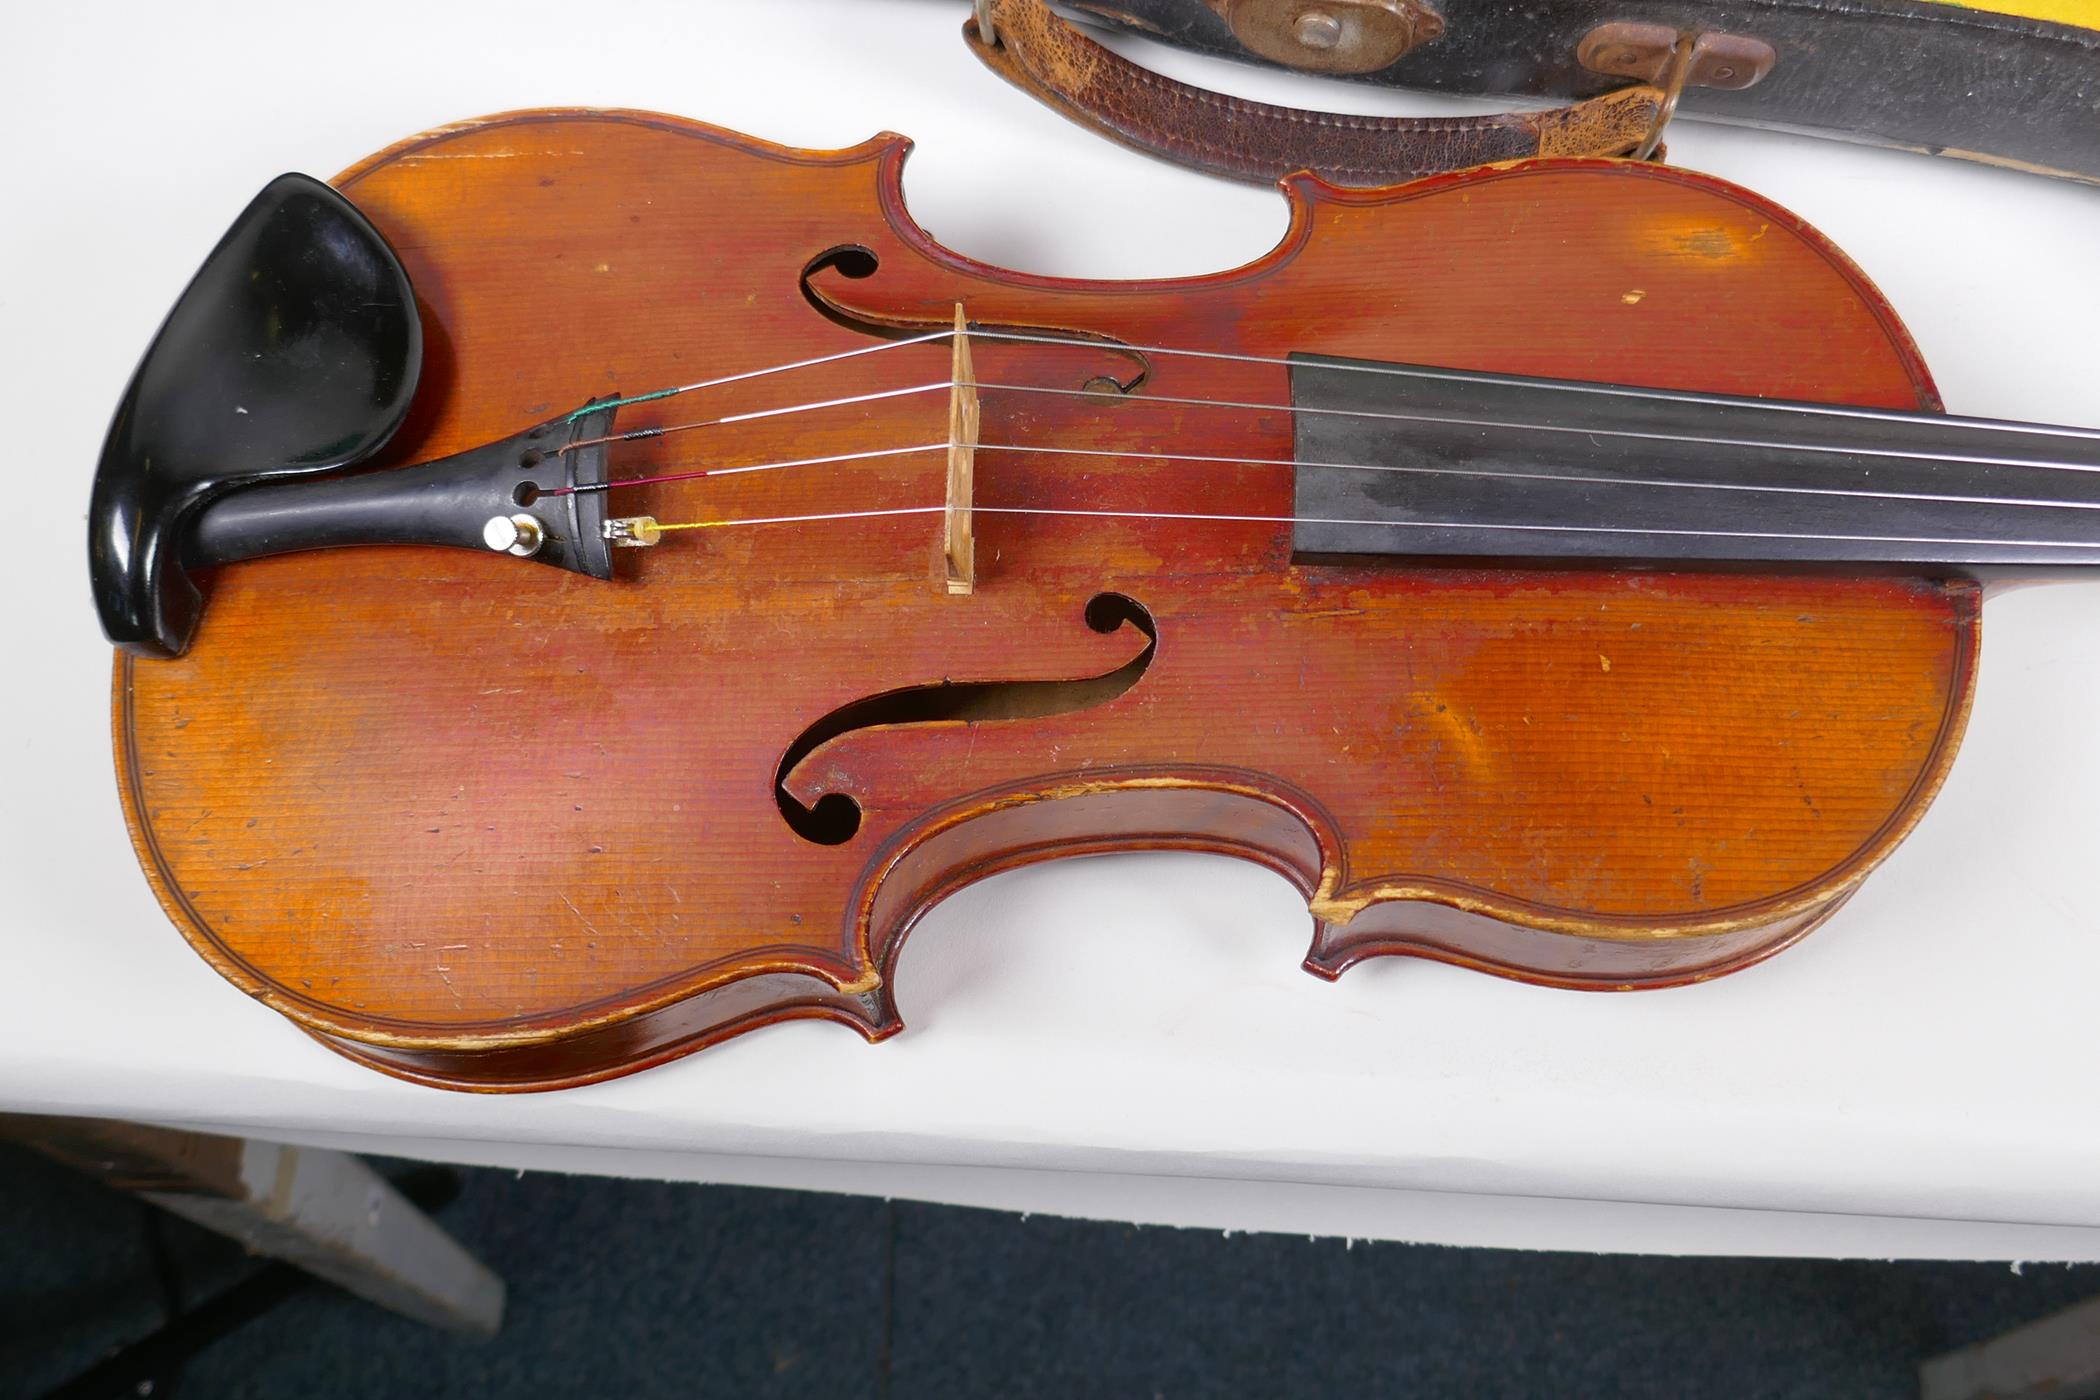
(579, 916)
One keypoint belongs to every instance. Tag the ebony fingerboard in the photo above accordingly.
(1402, 460)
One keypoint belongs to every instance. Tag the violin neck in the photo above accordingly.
(1398, 459)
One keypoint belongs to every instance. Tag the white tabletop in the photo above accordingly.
(1915, 1079)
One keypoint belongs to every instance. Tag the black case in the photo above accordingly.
(1941, 78)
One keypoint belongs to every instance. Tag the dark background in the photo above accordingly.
(621, 1288)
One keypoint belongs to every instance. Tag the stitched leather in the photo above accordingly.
(1056, 64)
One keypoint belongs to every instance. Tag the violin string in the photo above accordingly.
(1383, 524)
(1844, 411)
(604, 406)
(1385, 415)
(583, 488)
(1702, 440)
(1500, 474)
(643, 434)
(1459, 376)
(1939, 498)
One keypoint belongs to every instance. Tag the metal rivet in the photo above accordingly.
(513, 534)
(1319, 30)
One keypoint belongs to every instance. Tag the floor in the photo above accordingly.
(642, 1289)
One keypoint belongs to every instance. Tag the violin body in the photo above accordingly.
(503, 828)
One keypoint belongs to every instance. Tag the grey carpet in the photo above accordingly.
(636, 1289)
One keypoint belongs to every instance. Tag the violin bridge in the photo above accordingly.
(958, 546)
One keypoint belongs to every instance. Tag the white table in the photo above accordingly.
(1917, 1079)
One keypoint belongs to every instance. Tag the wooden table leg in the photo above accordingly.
(325, 1211)
(2058, 1357)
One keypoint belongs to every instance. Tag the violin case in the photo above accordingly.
(2008, 82)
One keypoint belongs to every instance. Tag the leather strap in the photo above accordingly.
(1053, 62)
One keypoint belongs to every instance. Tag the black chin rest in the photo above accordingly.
(294, 350)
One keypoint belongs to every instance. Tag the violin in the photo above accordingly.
(586, 583)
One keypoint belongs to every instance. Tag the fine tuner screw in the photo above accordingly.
(521, 535)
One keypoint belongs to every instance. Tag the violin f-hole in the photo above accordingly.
(1128, 369)
(835, 818)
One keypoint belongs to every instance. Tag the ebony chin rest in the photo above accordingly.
(295, 350)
